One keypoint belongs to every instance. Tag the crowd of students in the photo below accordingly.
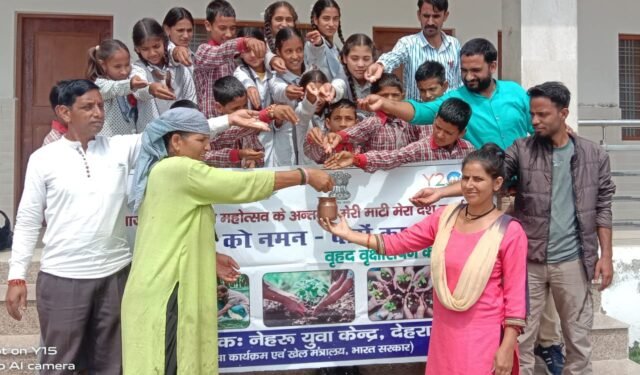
(273, 97)
(269, 70)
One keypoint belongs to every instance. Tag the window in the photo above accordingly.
(629, 70)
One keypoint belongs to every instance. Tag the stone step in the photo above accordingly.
(29, 325)
(609, 338)
(616, 367)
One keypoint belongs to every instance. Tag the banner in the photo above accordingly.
(308, 299)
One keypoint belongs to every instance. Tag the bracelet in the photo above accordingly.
(303, 176)
(17, 282)
(369, 241)
(306, 176)
(380, 244)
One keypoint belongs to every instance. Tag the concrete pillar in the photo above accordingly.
(540, 43)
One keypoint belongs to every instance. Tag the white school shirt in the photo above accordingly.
(150, 108)
(324, 58)
(85, 237)
(287, 139)
(115, 122)
(413, 50)
(249, 78)
(170, 48)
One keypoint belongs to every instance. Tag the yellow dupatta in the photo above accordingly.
(478, 267)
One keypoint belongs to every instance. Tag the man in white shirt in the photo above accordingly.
(78, 186)
(430, 44)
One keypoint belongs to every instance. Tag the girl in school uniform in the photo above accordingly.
(168, 83)
(320, 50)
(253, 73)
(178, 25)
(288, 89)
(109, 66)
(357, 54)
(277, 16)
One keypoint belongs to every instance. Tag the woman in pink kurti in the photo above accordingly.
(471, 334)
(466, 342)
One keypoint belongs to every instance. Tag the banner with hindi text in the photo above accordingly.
(308, 299)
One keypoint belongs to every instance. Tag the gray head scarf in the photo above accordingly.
(153, 148)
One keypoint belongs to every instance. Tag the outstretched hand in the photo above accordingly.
(277, 64)
(331, 141)
(426, 197)
(314, 37)
(182, 55)
(340, 160)
(373, 72)
(250, 154)
(371, 103)
(227, 268)
(316, 135)
(340, 229)
(258, 47)
(320, 180)
(254, 97)
(283, 112)
(247, 119)
(138, 82)
(294, 92)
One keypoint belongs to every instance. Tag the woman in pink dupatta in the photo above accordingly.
(482, 252)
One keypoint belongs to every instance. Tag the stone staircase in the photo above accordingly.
(19, 338)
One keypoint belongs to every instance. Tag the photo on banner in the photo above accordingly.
(398, 293)
(309, 297)
(233, 303)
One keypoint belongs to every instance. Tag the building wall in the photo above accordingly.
(599, 25)
(597, 48)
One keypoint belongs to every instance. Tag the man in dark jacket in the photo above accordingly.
(563, 200)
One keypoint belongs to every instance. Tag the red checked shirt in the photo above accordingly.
(382, 133)
(225, 147)
(58, 129)
(214, 61)
(422, 150)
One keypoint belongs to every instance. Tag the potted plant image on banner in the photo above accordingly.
(397, 293)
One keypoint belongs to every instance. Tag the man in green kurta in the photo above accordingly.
(169, 307)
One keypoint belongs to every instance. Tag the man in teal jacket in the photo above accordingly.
(500, 109)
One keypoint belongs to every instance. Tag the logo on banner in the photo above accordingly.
(440, 180)
(454, 176)
(340, 190)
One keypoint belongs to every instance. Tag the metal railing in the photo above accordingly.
(608, 124)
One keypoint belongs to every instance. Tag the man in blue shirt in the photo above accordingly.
(500, 109)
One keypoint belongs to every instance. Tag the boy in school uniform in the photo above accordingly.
(381, 132)
(216, 58)
(431, 81)
(445, 143)
(236, 146)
